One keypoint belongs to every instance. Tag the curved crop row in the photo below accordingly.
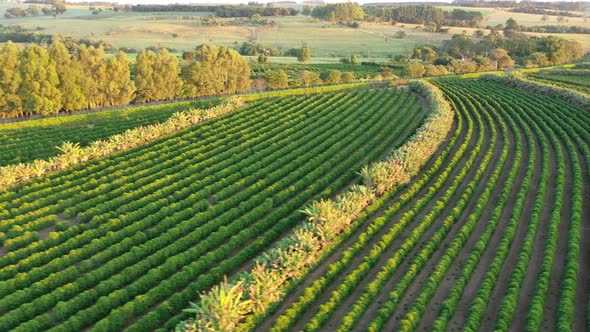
(487, 228)
(140, 233)
(327, 219)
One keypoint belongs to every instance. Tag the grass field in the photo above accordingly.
(182, 31)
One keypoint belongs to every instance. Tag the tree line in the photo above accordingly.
(416, 14)
(221, 10)
(557, 5)
(71, 77)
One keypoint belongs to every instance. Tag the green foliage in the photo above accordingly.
(120, 88)
(157, 76)
(331, 77)
(10, 79)
(415, 70)
(216, 70)
(38, 88)
(304, 54)
(70, 76)
(94, 76)
(339, 12)
(277, 79)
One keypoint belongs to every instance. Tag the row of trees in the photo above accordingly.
(220, 11)
(40, 81)
(418, 14)
(279, 79)
(33, 10)
(339, 12)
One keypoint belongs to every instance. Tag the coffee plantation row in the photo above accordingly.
(127, 241)
(487, 237)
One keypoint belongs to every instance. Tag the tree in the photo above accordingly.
(38, 88)
(10, 79)
(479, 33)
(306, 10)
(167, 76)
(60, 7)
(94, 79)
(15, 12)
(256, 18)
(415, 70)
(70, 76)
(511, 26)
(497, 54)
(483, 63)
(48, 11)
(331, 77)
(262, 58)
(347, 77)
(277, 79)
(144, 76)
(216, 70)
(505, 62)
(304, 54)
(354, 60)
(120, 88)
(307, 78)
(33, 10)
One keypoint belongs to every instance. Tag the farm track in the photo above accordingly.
(160, 223)
(492, 248)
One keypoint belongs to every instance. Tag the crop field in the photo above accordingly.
(127, 241)
(492, 234)
(24, 142)
(579, 83)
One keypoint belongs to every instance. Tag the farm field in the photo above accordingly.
(579, 83)
(23, 142)
(492, 235)
(127, 241)
(183, 31)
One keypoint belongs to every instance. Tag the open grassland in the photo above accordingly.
(492, 235)
(183, 31)
(129, 240)
(494, 16)
(24, 142)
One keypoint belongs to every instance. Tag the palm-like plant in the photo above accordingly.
(222, 308)
(264, 288)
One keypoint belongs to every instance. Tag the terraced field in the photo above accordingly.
(127, 241)
(493, 235)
